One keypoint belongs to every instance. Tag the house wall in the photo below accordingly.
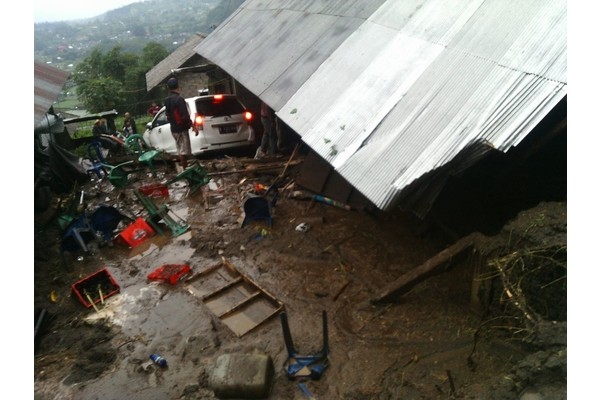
(191, 82)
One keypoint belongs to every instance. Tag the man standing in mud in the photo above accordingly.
(178, 116)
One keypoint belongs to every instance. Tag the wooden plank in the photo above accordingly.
(204, 272)
(436, 264)
(256, 169)
(228, 286)
(240, 304)
(251, 282)
(268, 317)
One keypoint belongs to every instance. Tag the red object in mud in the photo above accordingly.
(156, 190)
(137, 233)
(171, 273)
(98, 286)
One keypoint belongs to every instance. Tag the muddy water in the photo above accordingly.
(341, 261)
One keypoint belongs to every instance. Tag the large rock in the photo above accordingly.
(242, 376)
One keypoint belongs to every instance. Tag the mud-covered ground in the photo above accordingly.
(434, 342)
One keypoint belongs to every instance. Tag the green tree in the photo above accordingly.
(117, 79)
(153, 53)
(100, 94)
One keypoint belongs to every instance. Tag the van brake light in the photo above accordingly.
(198, 121)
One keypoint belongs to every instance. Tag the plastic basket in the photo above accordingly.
(136, 233)
(171, 273)
(92, 285)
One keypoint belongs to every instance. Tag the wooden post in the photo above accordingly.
(436, 264)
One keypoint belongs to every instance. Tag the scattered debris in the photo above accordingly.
(302, 227)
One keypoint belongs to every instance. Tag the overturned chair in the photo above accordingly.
(146, 155)
(177, 225)
(305, 366)
(90, 226)
(195, 175)
(117, 175)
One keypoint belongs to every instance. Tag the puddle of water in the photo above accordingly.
(171, 250)
(174, 255)
(143, 250)
(154, 311)
(127, 308)
(155, 318)
(181, 212)
(183, 237)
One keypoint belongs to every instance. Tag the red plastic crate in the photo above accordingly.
(90, 284)
(171, 273)
(155, 190)
(136, 233)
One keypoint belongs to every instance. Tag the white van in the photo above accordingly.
(223, 122)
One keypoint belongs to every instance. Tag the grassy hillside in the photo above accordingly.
(168, 22)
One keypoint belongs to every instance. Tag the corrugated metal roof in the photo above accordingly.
(389, 92)
(48, 82)
(180, 57)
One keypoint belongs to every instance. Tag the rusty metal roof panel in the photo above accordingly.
(415, 87)
(48, 82)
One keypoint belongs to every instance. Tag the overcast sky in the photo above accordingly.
(66, 10)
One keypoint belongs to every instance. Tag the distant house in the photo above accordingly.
(195, 73)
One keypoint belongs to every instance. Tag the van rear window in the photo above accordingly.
(217, 107)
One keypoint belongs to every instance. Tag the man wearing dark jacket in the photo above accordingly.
(178, 116)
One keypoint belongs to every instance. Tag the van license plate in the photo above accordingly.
(228, 129)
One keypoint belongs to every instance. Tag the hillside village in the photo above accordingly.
(64, 44)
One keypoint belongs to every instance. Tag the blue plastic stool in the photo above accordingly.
(96, 156)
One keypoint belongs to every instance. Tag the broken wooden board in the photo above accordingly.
(253, 169)
(436, 264)
(234, 298)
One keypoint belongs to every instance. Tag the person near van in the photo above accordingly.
(129, 127)
(99, 127)
(268, 142)
(154, 109)
(179, 118)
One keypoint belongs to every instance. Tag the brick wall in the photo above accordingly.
(190, 83)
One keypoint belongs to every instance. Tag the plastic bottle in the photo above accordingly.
(158, 360)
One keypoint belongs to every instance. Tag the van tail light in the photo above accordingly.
(199, 122)
(248, 116)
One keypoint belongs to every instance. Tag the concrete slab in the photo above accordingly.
(242, 376)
